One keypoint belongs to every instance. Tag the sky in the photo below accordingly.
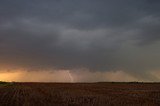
(79, 40)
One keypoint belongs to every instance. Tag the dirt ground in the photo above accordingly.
(80, 94)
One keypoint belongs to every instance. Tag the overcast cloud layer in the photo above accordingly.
(97, 35)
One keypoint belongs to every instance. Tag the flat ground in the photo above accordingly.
(80, 94)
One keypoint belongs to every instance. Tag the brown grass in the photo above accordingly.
(80, 94)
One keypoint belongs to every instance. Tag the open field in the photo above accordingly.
(80, 94)
(4, 83)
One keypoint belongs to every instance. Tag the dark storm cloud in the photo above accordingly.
(99, 35)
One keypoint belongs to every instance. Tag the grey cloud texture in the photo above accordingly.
(100, 35)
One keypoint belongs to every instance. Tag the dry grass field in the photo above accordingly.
(80, 94)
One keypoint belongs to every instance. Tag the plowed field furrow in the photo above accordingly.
(6, 97)
(82, 94)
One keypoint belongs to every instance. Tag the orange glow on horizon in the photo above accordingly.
(36, 76)
(9, 76)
